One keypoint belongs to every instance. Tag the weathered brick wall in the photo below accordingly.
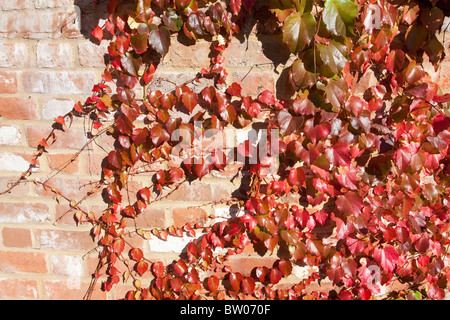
(47, 63)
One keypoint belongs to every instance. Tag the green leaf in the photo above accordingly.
(333, 55)
(298, 31)
(339, 16)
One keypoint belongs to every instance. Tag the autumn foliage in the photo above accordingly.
(361, 187)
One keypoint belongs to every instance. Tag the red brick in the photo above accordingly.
(57, 107)
(53, 55)
(8, 82)
(58, 82)
(246, 263)
(65, 240)
(92, 55)
(16, 237)
(94, 162)
(71, 289)
(45, 4)
(18, 288)
(181, 216)
(65, 214)
(18, 108)
(23, 212)
(70, 139)
(16, 161)
(65, 163)
(39, 24)
(15, 262)
(229, 171)
(14, 55)
(245, 54)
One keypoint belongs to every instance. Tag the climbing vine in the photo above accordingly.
(367, 165)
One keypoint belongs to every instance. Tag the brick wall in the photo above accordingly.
(47, 63)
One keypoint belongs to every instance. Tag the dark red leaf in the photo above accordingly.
(235, 6)
(248, 285)
(189, 100)
(235, 89)
(296, 177)
(139, 42)
(159, 135)
(285, 266)
(235, 281)
(386, 257)
(160, 40)
(213, 283)
(261, 273)
(395, 60)
(275, 276)
(176, 284)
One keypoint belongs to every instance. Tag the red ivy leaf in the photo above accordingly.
(118, 245)
(141, 267)
(350, 203)
(386, 257)
(321, 216)
(338, 154)
(158, 269)
(136, 254)
(395, 60)
(235, 6)
(267, 97)
(248, 285)
(261, 273)
(176, 284)
(275, 276)
(235, 89)
(98, 33)
(189, 100)
(202, 167)
(180, 267)
(235, 281)
(296, 177)
(402, 158)
(213, 283)
(285, 266)
(60, 120)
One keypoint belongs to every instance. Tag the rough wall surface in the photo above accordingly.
(47, 63)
